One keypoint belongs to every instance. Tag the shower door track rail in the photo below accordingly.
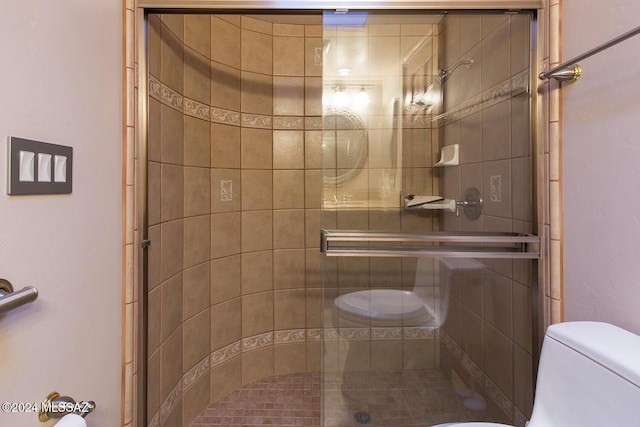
(435, 244)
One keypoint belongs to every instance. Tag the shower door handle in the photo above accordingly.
(436, 244)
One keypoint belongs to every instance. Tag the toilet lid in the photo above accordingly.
(384, 304)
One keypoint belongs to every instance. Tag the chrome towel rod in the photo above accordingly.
(367, 243)
(569, 71)
(10, 299)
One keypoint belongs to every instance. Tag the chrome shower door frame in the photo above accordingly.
(139, 39)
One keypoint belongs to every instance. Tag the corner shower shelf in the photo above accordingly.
(449, 156)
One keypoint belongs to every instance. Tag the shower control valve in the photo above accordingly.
(471, 205)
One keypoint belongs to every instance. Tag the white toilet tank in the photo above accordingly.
(589, 377)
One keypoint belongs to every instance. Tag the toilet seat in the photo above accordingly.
(383, 307)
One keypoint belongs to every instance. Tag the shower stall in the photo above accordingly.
(348, 194)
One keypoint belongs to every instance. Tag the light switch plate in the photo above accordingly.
(50, 167)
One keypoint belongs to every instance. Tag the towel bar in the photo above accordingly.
(570, 71)
(368, 243)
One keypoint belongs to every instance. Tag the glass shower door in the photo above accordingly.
(429, 266)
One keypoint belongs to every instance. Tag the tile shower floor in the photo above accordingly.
(391, 399)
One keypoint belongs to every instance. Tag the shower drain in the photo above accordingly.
(362, 417)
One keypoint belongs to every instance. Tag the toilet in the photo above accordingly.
(589, 376)
(425, 305)
(384, 307)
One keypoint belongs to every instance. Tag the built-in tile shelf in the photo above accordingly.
(449, 156)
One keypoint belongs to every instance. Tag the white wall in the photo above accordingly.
(601, 165)
(61, 82)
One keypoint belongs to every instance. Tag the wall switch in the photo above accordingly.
(60, 169)
(38, 167)
(26, 166)
(44, 167)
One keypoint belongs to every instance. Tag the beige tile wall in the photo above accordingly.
(356, 345)
(234, 207)
(490, 319)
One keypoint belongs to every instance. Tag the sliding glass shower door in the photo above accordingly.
(428, 231)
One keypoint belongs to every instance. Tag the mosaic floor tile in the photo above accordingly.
(389, 399)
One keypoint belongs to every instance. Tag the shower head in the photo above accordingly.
(446, 72)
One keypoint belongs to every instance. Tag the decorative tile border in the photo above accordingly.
(256, 121)
(354, 334)
(516, 85)
(492, 390)
(417, 121)
(281, 122)
(167, 406)
(314, 335)
(499, 397)
(196, 109)
(155, 421)
(520, 81)
(330, 335)
(171, 98)
(193, 108)
(471, 367)
(520, 419)
(383, 334)
(195, 373)
(165, 94)
(218, 357)
(289, 336)
(417, 333)
(227, 117)
(257, 341)
(155, 88)
(313, 123)
(374, 333)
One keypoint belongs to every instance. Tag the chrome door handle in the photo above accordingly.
(10, 299)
